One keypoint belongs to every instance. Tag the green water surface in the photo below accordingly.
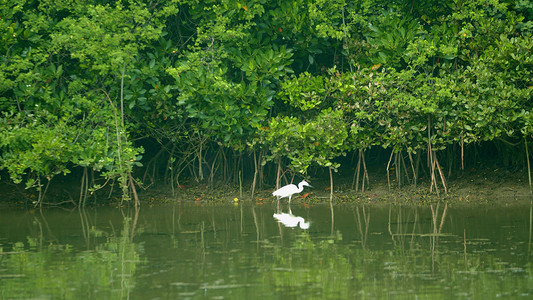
(190, 251)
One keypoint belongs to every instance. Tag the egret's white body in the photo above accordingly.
(290, 220)
(290, 189)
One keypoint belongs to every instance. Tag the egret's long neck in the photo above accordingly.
(300, 187)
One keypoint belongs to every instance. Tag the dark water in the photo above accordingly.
(187, 251)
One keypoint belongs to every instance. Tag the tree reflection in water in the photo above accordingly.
(48, 268)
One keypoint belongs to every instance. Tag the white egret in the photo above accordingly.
(290, 220)
(289, 190)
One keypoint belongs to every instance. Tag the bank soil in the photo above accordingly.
(473, 187)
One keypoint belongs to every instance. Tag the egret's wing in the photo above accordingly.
(285, 191)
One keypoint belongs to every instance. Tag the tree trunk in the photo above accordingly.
(330, 185)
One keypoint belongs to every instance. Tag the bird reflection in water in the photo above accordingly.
(290, 220)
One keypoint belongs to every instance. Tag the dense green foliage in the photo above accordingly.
(93, 84)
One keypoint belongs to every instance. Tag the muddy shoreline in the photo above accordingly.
(488, 187)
